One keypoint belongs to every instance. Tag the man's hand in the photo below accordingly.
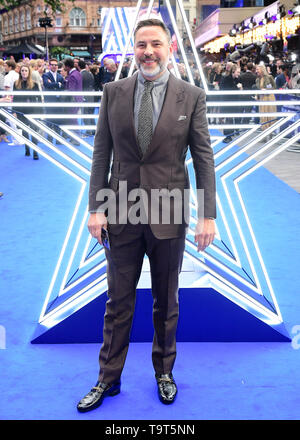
(205, 233)
(96, 222)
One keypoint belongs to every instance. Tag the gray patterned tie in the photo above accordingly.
(145, 122)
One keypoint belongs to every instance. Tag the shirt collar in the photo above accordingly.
(163, 79)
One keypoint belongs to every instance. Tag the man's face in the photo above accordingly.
(111, 67)
(7, 68)
(152, 51)
(53, 66)
(67, 69)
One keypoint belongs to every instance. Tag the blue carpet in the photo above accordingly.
(216, 380)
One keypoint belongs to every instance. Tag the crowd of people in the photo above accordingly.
(74, 74)
(71, 74)
(244, 74)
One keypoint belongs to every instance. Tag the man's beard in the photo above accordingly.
(161, 67)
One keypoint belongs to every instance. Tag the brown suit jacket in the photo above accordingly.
(182, 124)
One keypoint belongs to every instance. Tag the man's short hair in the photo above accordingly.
(11, 63)
(153, 22)
(82, 64)
(69, 62)
(53, 59)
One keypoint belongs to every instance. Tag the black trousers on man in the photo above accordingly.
(124, 265)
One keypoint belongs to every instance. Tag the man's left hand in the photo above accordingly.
(205, 233)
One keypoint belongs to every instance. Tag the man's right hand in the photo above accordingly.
(96, 222)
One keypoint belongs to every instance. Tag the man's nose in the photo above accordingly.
(148, 50)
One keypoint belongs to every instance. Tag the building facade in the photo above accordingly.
(78, 28)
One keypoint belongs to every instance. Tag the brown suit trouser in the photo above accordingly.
(124, 265)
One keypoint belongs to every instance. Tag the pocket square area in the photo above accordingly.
(182, 118)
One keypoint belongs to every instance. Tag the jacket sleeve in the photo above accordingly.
(203, 160)
(102, 155)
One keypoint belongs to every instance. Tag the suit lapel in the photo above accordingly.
(174, 96)
(126, 108)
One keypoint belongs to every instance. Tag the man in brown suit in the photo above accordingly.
(145, 126)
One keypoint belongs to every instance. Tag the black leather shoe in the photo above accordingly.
(227, 139)
(95, 397)
(166, 386)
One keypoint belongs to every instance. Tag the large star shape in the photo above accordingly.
(233, 264)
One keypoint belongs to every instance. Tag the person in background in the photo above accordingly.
(53, 81)
(295, 77)
(26, 83)
(11, 77)
(88, 84)
(35, 74)
(248, 80)
(73, 84)
(264, 81)
(108, 72)
(230, 81)
(282, 79)
(215, 76)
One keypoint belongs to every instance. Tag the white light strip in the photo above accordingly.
(261, 150)
(51, 93)
(77, 138)
(242, 126)
(63, 116)
(250, 104)
(234, 169)
(84, 261)
(226, 269)
(240, 231)
(50, 104)
(231, 241)
(236, 182)
(79, 200)
(238, 293)
(241, 138)
(129, 36)
(254, 142)
(179, 42)
(82, 278)
(256, 305)
(100, 93)
(255, 92)
(19, 124)
(248, 115)
(70, 262)
(88, 295)
(64, 142)
(195, 53)
(57, 150)
(274, 153)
